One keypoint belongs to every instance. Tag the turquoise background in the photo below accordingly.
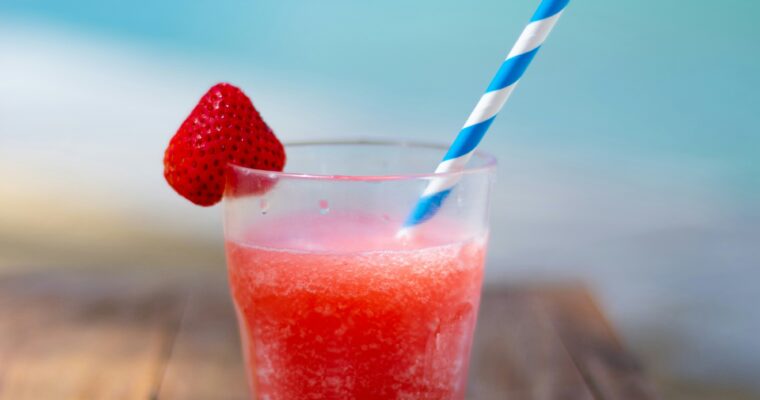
(625, 82)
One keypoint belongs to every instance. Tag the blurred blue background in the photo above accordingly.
(629, 153)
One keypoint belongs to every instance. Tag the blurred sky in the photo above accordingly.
(629, 153)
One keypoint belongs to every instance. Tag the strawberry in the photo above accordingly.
(224, 128)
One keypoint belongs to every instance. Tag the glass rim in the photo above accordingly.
(489, 161)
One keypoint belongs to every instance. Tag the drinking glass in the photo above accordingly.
(331, 302)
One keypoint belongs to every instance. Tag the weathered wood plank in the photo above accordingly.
(84, 337)
(610, 371)
(518, 355)
(206, 361)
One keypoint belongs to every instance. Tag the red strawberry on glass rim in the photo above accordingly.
(223, 129)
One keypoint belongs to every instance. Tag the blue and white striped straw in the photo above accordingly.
(497, 93)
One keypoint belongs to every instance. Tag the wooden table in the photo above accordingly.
(137, 335)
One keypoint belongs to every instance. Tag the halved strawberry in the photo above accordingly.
(224, 128)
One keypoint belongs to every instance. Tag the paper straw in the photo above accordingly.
(497, 93)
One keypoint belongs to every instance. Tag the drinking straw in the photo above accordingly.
(497, 93)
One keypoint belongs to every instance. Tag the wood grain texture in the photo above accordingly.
(159, 336)
(84, 337)
(609, 371)
(206, 361)
(517, 353)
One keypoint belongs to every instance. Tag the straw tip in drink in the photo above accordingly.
(404, 233)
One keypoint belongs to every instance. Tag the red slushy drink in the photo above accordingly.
(356, 314)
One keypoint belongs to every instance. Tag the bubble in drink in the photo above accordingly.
(324, 207)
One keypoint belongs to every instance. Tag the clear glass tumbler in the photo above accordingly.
(331, 303)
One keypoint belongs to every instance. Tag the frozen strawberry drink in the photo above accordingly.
(356, 316)
(334, 299)
(332, 303)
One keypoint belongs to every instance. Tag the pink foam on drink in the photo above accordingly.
(351, 313)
